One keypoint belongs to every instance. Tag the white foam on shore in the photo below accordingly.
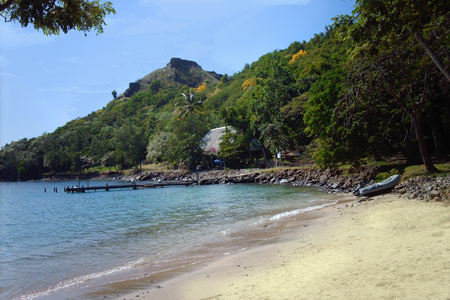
(79, 280)
(295, 212)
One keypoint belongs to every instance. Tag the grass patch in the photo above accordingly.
(419, 170)
(159, 168)
(385, 175)
(99, 169)
(282, 168)
(162, 167)
(145, 167)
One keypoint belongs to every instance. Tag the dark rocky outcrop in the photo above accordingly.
(178, 72)
(132, 89)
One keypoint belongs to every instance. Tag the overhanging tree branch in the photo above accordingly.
(54, 16)
(436, 59)
(6, 5)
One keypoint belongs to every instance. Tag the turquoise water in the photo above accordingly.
(51, 243)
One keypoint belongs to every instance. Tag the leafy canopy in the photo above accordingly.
(388, 24)
(54, 16)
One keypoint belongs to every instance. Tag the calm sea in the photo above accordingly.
(55, 244)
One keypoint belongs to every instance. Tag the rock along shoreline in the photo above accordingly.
(420, 188)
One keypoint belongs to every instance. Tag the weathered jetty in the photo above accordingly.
(134, 186)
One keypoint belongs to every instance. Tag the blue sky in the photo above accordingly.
(46, 81)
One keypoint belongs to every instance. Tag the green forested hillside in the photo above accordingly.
(361, 89)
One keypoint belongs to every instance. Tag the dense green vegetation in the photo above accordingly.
(54, 16)
(371, 85)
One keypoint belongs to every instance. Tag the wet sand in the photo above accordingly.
(386, 248)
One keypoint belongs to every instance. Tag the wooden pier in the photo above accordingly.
(134, 186)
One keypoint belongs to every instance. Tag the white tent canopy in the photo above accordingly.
(211, 141)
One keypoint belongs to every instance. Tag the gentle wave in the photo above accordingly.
(295, 212)
(79, 280)
(112, 227)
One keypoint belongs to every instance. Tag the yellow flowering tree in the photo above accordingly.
(201, 87)
(300, 53)
(248, 83)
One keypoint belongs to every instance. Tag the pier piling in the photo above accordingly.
(133, 186)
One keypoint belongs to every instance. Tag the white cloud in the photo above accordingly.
(192, 11)
(211, 11)
(150, 25)
(13, 36)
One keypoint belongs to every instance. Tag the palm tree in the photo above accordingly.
(188, 107)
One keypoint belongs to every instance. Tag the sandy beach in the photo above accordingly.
(385, 248)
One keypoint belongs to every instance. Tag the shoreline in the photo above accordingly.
(421, 187)
(279, 229)
(161, 279)
(261, 230)
(387, 248)
(295, 225)
(282, 230)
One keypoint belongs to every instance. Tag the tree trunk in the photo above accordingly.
(410, 146)
(417, 118)
(192, 123)
(437, 137)
(376, 155)
(434, 57)
(263, 149)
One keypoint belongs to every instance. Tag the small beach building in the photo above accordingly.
(211, 144)
(211, 141)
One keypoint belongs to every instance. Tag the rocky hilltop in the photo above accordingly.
(177, 72)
